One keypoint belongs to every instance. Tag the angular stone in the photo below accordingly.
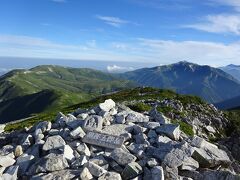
(157, 173)
(79, 162)
(122, 157)
(77, 133)
(44, 126)
(95, 170)
(53, 142)
(103, 140)
(99, 160)
(189, 164)
(11, 173)
(201, 143)
(211, 157)
(171, 130)
(136, 117)
(159, 117)
(24, 162)
(85, 174)
(68, 152)
(132, 170)
(51, 162)
(110, 176)
(175, 158)
(135, 148)
(83, 149)
(93, 122)
(163, 139)
(118, 129)
(6, 161)
(107, 105)
(152, 125)
(152, 162)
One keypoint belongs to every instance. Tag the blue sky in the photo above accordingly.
(154, 31)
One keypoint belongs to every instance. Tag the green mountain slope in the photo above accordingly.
(67, 86)
(211, 84)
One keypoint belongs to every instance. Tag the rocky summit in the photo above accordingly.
(112, 142)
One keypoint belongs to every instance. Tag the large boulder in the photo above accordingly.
(170, 130)
(53, 142)
(93, 122)
(50, 163)
(207, 154)
(122, 157)
(94, 169)
(107, 105)
(136, 117)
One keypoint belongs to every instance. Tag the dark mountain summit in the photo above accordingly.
(210, 83)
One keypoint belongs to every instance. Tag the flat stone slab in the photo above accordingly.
(103, 140)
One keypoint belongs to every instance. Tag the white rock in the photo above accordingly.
(85, 174)
(6, 161)
(171, 130)
(77, 133)
(107, 105)
(83, 149)
(53, 142)
(95, 170)
(68, 152)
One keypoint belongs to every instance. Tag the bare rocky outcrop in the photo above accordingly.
(111, 141)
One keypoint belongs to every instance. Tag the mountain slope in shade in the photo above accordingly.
(233, 103)
(68, 86)
(213, 85)
(233, 70)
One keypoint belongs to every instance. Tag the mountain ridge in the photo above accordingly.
(210, 83)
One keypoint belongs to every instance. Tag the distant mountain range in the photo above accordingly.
(233, 70)
(45, 88)
(212, 84)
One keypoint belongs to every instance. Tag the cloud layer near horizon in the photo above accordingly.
(140, 49)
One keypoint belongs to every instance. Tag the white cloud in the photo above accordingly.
(195, 51)
(223, 23)
(151, 51)
(118, 69)
(113, 21)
